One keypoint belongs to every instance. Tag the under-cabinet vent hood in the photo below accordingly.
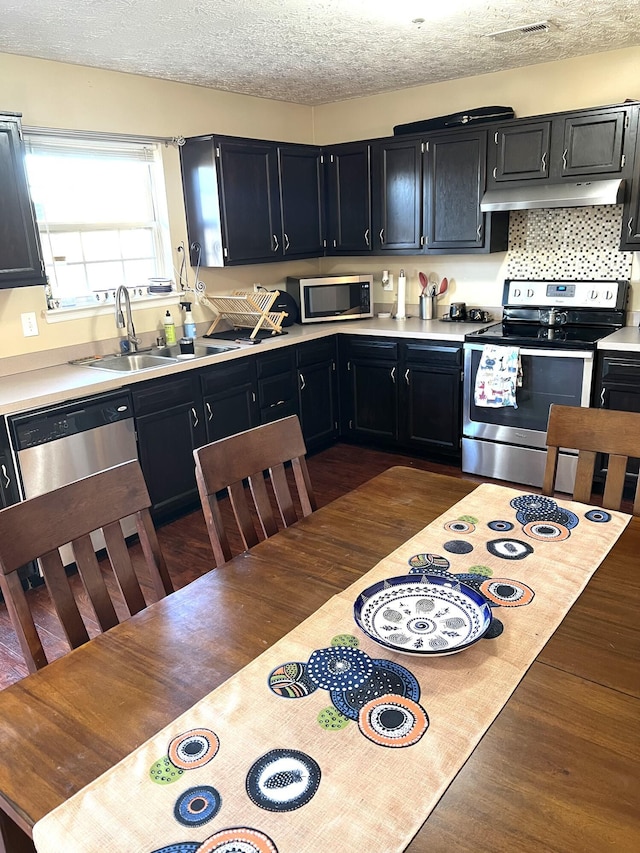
(553, 195)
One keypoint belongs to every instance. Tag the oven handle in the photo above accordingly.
(585, 355)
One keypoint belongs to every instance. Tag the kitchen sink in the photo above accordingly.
(130, 362)
(200, 350)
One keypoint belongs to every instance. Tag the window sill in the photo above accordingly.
(81, 312)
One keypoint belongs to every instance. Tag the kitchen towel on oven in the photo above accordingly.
(499, 374)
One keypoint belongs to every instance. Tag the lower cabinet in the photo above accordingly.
(618, 387)
(169, 425)
(229, 398)
(276, 384)
(317, 380)
(403, 392)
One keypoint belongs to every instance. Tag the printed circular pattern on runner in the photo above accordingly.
(546, 531)
(506, 592)
(291, 681)
(459, 526)
(458, 546)
(193, 748)
(238, 839)
(283, 780)
(500, 526)
(388, 678)
(339, 668)
(180, 847)
(599, 515)
(431, 563)
(538, 504)
(197, 806)
(393, 721)
(509, 549)
(561, 516)
(495, 629)
(164, 771)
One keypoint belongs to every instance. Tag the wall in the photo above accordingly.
(51, 94)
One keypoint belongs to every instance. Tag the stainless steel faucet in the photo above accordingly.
(123, 293)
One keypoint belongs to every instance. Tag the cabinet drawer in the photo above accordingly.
(282, 409)
(276, 389)
(315, 352)
(368, 348)
(624, 369)
(274, 363)
(228, 375)
(159, 394)
(436, 354)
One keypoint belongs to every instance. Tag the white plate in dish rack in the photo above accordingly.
(424, 614)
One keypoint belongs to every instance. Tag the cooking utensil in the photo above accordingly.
(444, 285)
(424, 283)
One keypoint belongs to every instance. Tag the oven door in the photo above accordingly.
(548, 376)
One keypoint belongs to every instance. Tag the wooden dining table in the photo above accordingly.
(558, 769)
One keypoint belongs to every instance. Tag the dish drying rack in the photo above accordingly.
(245, 310)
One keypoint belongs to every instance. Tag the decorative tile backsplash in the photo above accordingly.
(567, 243)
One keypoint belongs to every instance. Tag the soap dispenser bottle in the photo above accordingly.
(189, 325)
(169, 329)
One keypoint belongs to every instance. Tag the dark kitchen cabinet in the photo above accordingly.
(348, 171)
(397, 196)
(277, 385)
(430, 395)
(580, 145)
(229, 398)
(630, 237)
(617, 387)
(169, 426)
(318, 391)
(455, 178)
(251, 201)
(20, 253)
(369, 389)
(9, 493)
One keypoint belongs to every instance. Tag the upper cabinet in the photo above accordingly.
(397, 196)
(348, 171)
(250, 201)
(630, 239)
(589, 144)
(455, 178)
(20, 254)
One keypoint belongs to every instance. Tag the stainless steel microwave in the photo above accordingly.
(333, 297)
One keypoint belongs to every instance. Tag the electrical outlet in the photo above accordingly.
(388, 285)
(29, 324)
(257, 288)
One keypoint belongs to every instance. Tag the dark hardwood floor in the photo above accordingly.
(185, 544)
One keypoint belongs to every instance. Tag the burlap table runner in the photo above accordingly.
(274, 760)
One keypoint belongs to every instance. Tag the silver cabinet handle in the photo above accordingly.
(366, 237)
(602, 399)
(195, 417)
(7, 478)
(279, 403)
(479, 231)
(335, 243)
(286, 241)
(495, 172)
(543, 162)
(564, 158)
(393, 375)
(253, 396)
(495, 137)
(276, 245)
(630, 226)
(303, 384)
(382, 235)
(406, 376)
(209, 411)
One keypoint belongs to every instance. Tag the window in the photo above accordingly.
(101, 211)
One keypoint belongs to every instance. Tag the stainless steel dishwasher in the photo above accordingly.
(56, 445)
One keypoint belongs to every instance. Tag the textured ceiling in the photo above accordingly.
(311, 52)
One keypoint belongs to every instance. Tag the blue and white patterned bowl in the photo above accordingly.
(425, 614)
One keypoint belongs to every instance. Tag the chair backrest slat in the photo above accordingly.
(591, 432)
(227, 463)
(36, 528)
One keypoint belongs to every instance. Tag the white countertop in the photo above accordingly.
(625, 340)
(58, 383)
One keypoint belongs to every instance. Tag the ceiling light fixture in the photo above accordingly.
(418, 22)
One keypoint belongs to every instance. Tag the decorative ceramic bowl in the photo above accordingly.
(422, 614)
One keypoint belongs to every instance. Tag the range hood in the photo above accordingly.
(579, 194)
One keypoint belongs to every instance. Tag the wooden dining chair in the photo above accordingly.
(36, 528)
(223, 465)
(590, 432)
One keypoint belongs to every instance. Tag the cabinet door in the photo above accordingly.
(630, 236)
(519, 152)
(229, 397)
(454, 184)
(593, 143)
(248, 174)
(277, 385)
(370, 388)
(20, 253)
(166, 440)
(398, 196)
(8, 485)
(349, 198)
(301, 201)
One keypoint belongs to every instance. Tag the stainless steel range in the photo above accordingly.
(556, 326)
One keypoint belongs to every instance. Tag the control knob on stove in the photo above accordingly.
(516, 292)
(529, 292)
(593, 294)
